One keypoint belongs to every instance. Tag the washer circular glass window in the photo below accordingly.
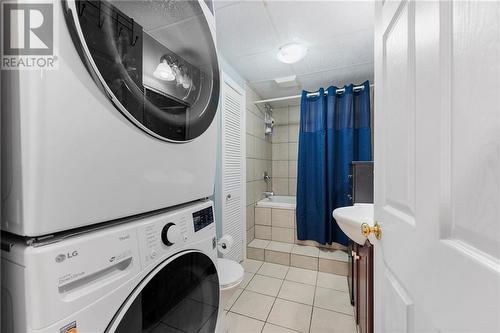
(179, 296)
(155, 59)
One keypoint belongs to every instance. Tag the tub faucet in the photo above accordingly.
(268, 194)
(267, 178)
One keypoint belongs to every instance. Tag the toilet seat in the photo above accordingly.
(230, 273)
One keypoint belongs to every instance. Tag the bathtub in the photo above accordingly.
(277, 201)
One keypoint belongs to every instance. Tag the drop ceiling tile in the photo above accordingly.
(261, 67)
(269, 89)
(314, 21)
(244, 29)
(338, 52)
(338, 77)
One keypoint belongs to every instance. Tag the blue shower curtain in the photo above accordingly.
(334, 131)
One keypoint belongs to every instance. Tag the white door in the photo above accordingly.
(437, 166)
(233, 166)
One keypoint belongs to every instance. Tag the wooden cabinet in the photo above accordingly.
(362, 281)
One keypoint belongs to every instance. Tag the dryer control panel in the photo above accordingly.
(165, 234)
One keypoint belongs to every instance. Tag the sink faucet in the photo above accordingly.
(268, 194)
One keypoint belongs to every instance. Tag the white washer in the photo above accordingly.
(157, 274)
(106, 135)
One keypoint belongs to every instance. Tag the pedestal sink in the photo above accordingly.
(351, 218)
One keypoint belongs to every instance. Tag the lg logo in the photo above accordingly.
(61, 257)
(28, 29)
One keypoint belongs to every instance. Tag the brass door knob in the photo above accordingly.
(366, 230)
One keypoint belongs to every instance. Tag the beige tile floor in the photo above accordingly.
(282, 299)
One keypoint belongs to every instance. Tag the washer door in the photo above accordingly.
(156, 60)
(180, 295)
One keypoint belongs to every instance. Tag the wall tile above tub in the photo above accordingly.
(294, 114)
(280, 151)
(280, 116)
(260, 166)
(280, 134)
(292, 169)
(259, 187)
(280, 169)
(259, 148)
(292, 186)
(280, 186)
(293, 151)
(293, 133)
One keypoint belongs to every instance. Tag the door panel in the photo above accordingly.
(437, 166)
(395, 174)
(473, 173)
(233, 169)
(400, 120)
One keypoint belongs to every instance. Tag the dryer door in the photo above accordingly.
(180, 295)
(156, 60)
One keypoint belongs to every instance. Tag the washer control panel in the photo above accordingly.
(167, 233)
(203, 218)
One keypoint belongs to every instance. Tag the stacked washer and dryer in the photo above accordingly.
(107, 166)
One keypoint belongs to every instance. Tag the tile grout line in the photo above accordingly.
(237, 298)
(275, 297)
(274, 301)
(291, 251)
(307, 284)
(288, 300)
(313, 306)
(265, 322)
(314, 301)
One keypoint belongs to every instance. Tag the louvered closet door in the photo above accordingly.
(233, 190)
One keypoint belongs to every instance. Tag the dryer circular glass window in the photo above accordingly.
(156, 60)
(181, 295)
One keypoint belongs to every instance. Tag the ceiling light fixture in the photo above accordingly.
(291, 53)
(164, 72)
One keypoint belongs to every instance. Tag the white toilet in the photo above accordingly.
(230, 274)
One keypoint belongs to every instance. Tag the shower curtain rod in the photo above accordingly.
(308, 95)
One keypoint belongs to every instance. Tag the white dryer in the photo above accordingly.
(157, 274)
(125, 124)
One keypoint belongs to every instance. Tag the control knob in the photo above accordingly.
(170, 234)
